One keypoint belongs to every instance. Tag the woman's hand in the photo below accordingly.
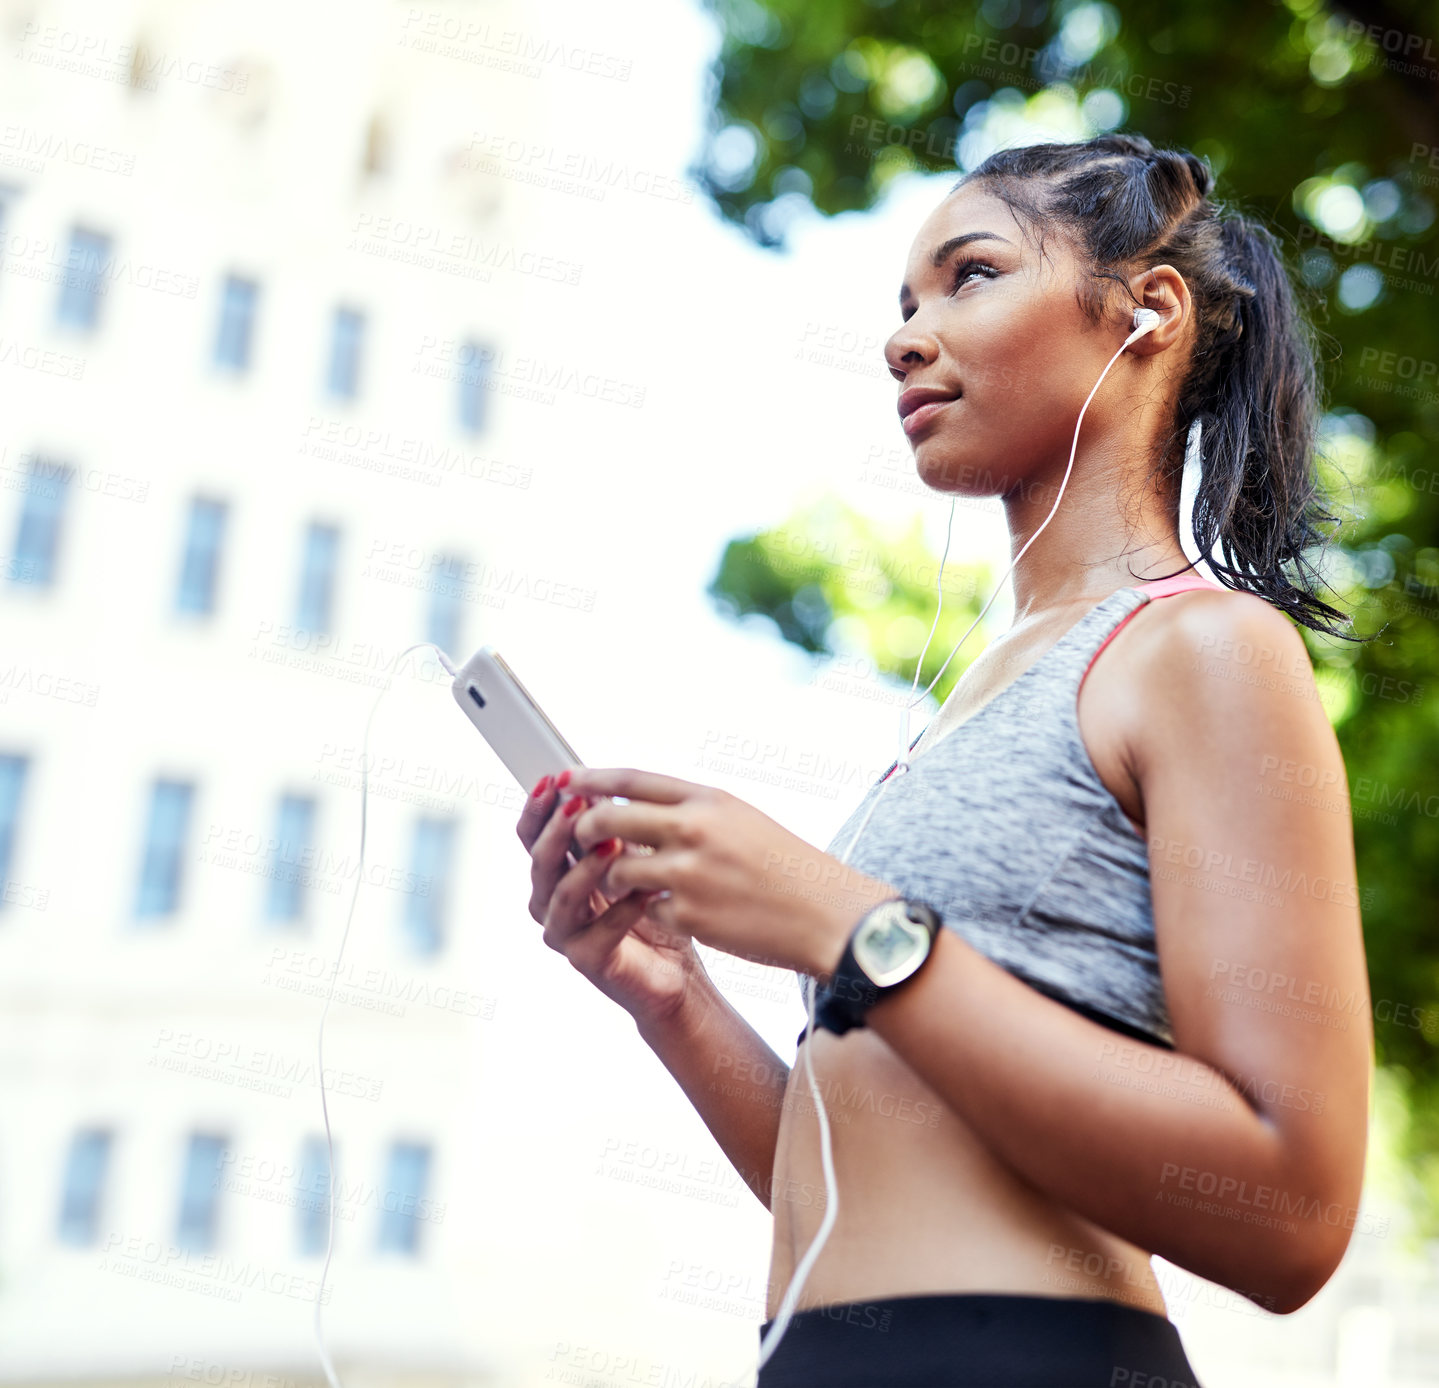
(732, 878)
(634, 960)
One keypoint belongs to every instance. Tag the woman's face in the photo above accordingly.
(997, 338)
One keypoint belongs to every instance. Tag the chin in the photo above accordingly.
(951, 469)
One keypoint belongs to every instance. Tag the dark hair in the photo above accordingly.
(1253, 379)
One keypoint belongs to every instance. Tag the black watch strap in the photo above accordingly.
(850, 994)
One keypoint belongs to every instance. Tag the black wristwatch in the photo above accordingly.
(884, 951)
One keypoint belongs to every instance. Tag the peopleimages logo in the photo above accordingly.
(212, 1274)
(568, 170)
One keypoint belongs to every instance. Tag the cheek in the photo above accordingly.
(1013, 356)
(1002, 382)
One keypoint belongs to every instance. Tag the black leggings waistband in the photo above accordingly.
(978, 1340)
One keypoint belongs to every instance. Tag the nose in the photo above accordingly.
(909, 348)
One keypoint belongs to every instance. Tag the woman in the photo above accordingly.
(1091, 1062)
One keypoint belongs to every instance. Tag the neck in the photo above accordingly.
(1090, 549)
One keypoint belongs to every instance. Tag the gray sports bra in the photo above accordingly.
(1004, 828)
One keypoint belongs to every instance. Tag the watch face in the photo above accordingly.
(889, 947)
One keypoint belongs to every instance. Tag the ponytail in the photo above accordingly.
(1253, 380)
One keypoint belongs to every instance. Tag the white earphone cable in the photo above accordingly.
(325, 1361)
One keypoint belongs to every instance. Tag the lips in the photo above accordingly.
(920, 404)
(921, 413)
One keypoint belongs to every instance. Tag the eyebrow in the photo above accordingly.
(949, 247)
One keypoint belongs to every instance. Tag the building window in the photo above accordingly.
(425, 898)
(37, 541)
(403, 1199)
(317, 578)
(348, 333)
(12, 782)
(237, 323)
(84, 1187)
(143, 60)
(475, 360)
(377, 146)
(448, 597)
(84, 282)
(161, 873)
(289, 864)
(200, 569)
(200, 1194)
(312, 1198)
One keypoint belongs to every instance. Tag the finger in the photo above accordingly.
(538, 805)
(569, 903)
(632, 784)
(642, 823)
(659, 907)
(641, 873)
(587, 947)
(548, 853)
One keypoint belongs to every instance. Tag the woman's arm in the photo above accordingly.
(1241, 1156)
(734, 1080)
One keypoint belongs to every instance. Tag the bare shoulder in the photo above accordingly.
(1208, 673)
(1242, 644)
(1210, 617)
(1221, 674)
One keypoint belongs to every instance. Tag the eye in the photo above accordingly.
(965, 269)
(959, 275)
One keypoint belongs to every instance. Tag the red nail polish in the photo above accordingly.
(563, 780)
(574, 805)
(540, 787)
(608, 848)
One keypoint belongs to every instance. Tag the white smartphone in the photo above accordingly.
(511, 721)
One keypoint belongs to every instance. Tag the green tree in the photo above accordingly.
(830, 568)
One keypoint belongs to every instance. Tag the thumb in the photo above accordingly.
(591, 945)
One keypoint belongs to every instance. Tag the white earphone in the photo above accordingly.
(1145, 320)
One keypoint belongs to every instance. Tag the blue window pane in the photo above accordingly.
(402, 1199)
(160, 874)
(425, 900)
(475, 360)
(317, 578)
(451, 591)
(84, 281)
(37, 541)
(201, 566)
(289, 863)
(84, 1186)
(344, 377)
(238, 301)
(200, 1194)
(12, 781)
(312, 1198)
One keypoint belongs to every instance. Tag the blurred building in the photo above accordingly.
(254, 285)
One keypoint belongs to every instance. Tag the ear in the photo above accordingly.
(1163, 289)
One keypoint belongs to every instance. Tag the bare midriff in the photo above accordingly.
(924, 1206)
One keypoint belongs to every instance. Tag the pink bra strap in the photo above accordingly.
(1180, 583)
(1154, 588)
